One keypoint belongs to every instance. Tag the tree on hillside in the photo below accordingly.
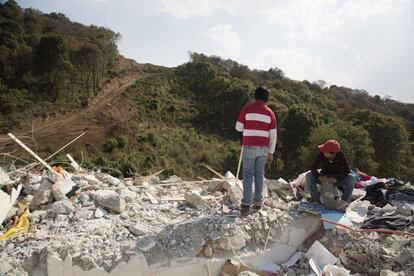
(355, 143)
(294, 134)
(390, 142)
(50, 60)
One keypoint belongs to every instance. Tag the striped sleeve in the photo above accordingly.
(272, 134)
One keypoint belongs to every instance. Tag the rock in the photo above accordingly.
(224, 243)
(391, 273)
(208, 252)
(195, 200)
(238, 241)
(234, 192)
(61, 188)
(31, 189)
(84, 213)
(154, 180)
(404, 257)
(92, 180)
(4, 178)
(146, 245)
(99, 213)
(127, 194)
(37, 215)
(109, 199)
(111, 180)
(173, 179)
(84, 199)
(5, 267)
(275, 185)
(43, 195)
(139, 229)
(62, 207)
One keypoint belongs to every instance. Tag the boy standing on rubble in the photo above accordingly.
(258, 124)
(334, 171)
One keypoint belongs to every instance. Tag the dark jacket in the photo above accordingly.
(338, 168)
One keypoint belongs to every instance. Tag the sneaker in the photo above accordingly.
(244, 209)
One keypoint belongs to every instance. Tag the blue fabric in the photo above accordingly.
(254, 161)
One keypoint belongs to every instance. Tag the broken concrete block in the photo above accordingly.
(224, 243)
(5, 267)
(234, 192)
(404, 257)
(83, 213)
(146, 244)
(238, 241)
(208, 252)
(391, 273)
(127, 194)
(62, 207)
(109, 199)
(195, 200)
(31, 189)
(275, 185)
(61, 188)
(4, 178)
(99, 213)
(92, 180)
(111, 180)
(44, 194)
(138, 229)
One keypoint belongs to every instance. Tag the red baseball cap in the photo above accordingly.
(330, 146)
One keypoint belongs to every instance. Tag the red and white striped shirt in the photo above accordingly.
(258, 124)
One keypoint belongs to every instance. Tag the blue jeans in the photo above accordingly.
(254, 161)
(346, 185)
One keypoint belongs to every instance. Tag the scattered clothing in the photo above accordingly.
(401, 198)
(376, 195)
(392, 222)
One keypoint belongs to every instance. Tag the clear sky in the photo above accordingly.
(361, 44)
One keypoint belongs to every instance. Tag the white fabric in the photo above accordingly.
(258, 117)
(259, 133)
(272, 140)
(239, 126)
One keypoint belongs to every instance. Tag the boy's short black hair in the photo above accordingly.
(262, 93)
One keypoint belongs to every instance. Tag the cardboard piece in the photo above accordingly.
(337, 217)
(233, 268)
(7, 201)
(318, 257)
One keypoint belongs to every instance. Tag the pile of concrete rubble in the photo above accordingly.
(96, 222)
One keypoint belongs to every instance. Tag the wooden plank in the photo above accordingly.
(215, 172)
(181, 198)
(50, 156)
(33, 154)
(73, 163)
(152, 199)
